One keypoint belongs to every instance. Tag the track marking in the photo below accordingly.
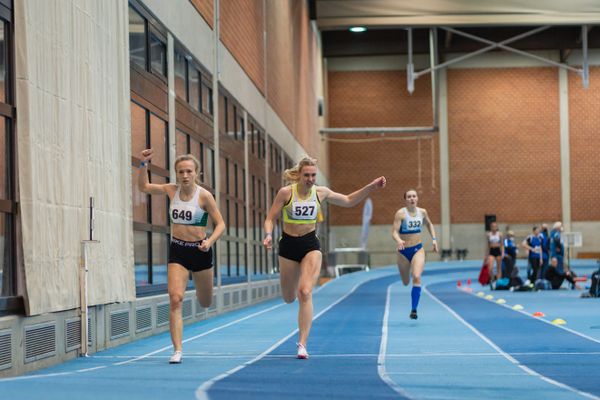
(583, 335)
(383, 349)
(506, 355)
(137, 358)
(357, 355)
(202, 391)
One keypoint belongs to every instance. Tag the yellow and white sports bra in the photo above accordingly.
(302, 211)
(188, 212)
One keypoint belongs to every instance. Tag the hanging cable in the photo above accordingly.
(419, 169)
(371, 140)
(432, 164)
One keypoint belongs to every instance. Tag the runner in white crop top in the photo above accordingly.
(190, 248)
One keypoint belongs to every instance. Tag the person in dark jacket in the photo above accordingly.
(534, 245)
(556, 277)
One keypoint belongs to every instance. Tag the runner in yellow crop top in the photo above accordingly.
(299, 247)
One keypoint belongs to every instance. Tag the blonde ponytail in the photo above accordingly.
(292, 175)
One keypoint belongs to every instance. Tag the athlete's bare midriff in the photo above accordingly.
(298, 229)
(410, 239)
(188, 233)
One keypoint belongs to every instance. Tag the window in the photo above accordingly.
(147, 44)
(194, 88)
(8, 278)
(223, 114)
(137, 38)
(158, 55)
(189, 84)
(234, 260)
(180, 76)
(150, 213)
(211, 110)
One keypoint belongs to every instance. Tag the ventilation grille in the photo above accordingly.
(213, 306)
(273, 290)
(260, 292)
(254, 293)
(186, 309)
(199, 309)
(143, 319)
(162, 314)
(226, 299)
(5, 350)
(244, 296)
(40, 341)
(73, 334)
(236, 297)
(119, 324)
(90, 332)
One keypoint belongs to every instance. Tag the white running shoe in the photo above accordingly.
(176, 358)
(302, 353)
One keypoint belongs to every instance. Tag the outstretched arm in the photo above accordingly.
(282, 197)
(352, 199)
(431, 230)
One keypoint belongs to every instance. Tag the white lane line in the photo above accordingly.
(383, 349)
(506, 355)
(218, 328)
(353, 355)
(583, 335)
(202, 391)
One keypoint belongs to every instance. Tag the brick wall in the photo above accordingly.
(306, 56)
(380, 98)
(291, 59)
(205, 9)
(584, 128)
(504, 145)
(280, 60)
(242, 34)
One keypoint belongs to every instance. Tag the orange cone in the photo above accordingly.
(538, 314)
(469, 281)
(459, 283)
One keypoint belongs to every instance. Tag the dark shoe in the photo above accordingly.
(413, 314)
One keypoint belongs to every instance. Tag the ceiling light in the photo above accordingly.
(358, 29)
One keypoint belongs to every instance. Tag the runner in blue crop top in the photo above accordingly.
(408, 224)
(190, 248)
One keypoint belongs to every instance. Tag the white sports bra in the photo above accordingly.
(188, 212)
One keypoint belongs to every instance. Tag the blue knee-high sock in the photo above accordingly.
(415, 295)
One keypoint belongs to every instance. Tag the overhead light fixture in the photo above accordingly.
(358, 29)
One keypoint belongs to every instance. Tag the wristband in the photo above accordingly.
(143, 164)
(269, 234)
(433, 238)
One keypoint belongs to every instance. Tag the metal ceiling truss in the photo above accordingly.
(411, 75)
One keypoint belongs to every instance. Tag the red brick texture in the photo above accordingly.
(205, 9)
(504, 143)
(307, 57)
(584, 126)
(291, 58)
(242, 34)
(280, 60)
(380, 98)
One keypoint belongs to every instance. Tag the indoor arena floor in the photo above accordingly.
(362, 346)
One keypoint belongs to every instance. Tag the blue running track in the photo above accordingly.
(362, 346)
